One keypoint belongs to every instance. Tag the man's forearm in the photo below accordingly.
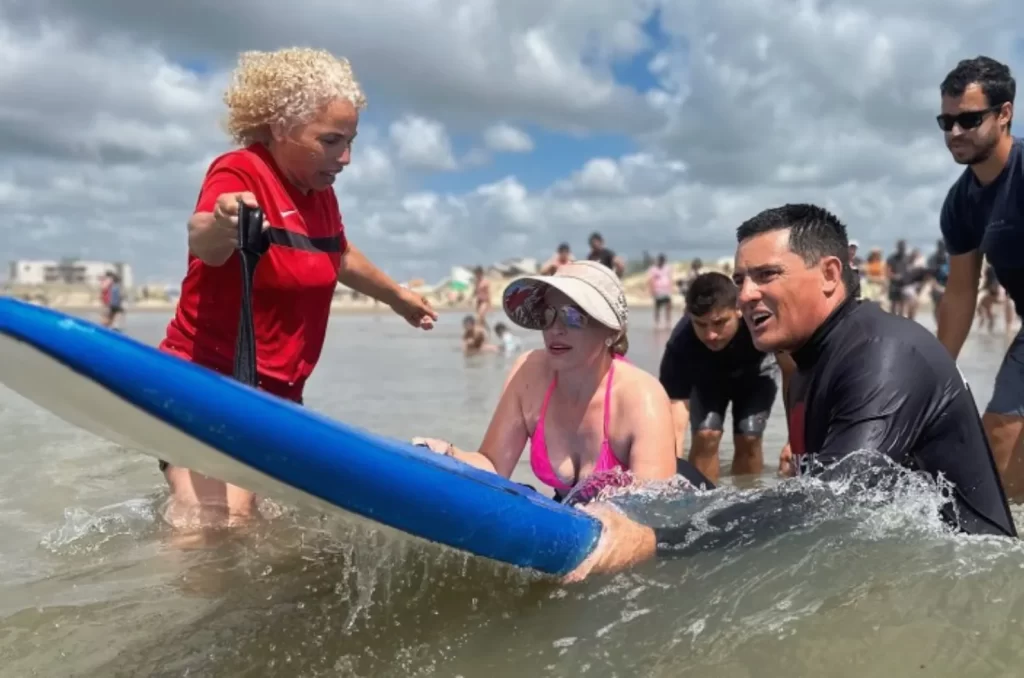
(360, 274)
(956, 315)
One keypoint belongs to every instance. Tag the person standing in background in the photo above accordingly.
(917, 273)
(601, 254)
(659, 284)
(696, 268)
(855, 261)
(983, 217)
(482, 296)
(855, 265)
(873, 280)
(938, 274)
(992, 293)
(897, 268)
(563, 256)
(112, 298)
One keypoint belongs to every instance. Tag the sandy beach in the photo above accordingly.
(80, 299)
(339, 307)
(344, 304)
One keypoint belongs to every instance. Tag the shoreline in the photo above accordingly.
(339, 308)
(350, 307)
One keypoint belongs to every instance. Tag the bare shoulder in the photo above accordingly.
(527, 368)
(637, 386)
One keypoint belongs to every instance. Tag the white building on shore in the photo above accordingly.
(67, 272)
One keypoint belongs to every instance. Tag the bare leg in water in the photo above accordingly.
(200, 501)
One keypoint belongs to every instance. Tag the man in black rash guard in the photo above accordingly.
(864, 380)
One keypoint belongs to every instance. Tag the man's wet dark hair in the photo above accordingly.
(814, 233)
(709, 292)
(993, 77)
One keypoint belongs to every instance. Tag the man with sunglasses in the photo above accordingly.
(983, 217)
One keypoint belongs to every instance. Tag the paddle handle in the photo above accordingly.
(251, 246)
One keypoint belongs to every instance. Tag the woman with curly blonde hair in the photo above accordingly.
(294, 114)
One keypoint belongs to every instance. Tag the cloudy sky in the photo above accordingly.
(496, 129)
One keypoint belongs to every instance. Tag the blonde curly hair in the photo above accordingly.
(286, 86)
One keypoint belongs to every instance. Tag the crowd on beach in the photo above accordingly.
(790, 319)
(901, 283)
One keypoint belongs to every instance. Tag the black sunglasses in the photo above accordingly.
(967, 119)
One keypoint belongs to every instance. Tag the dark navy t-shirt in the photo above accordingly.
(991, 218)
(604, 256)
(688, 363)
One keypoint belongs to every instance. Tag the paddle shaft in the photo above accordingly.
(251, 246)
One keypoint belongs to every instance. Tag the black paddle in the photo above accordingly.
(251, 246)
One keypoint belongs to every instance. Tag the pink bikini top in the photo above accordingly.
(540, 462)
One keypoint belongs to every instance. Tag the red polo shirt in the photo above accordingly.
(293, 286)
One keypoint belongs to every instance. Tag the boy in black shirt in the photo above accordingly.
(709, 361)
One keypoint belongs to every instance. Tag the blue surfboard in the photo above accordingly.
(157, 404)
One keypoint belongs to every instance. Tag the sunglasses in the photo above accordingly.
(574, 318)
(967, 119)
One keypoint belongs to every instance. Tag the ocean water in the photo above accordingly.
(92, 583)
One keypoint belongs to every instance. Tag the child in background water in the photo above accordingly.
(474, 338)
(509, 342)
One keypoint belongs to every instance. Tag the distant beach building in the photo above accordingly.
(67, 272)
(513, 268)
(461, 280)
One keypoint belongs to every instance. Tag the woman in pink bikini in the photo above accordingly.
(583, 408)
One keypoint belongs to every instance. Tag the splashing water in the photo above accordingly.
(304, 594)
(88, 531)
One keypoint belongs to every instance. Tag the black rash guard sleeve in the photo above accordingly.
(877, 401)
(886, 392)
(777, 511)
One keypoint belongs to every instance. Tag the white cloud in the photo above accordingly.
(508, 199)
(505, 138)
(475, 157)
(474, 60)
(421, 143)
(600, 175)
(105, 137)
